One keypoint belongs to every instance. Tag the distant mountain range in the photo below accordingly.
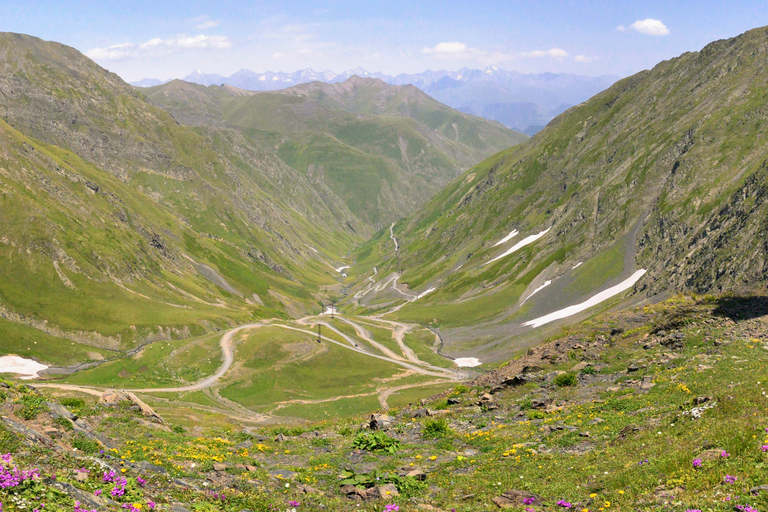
(525, 102)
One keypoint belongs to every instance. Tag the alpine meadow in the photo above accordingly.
(462, 289)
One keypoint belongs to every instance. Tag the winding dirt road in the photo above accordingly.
(229, 357)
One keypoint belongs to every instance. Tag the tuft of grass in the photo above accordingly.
(436, 428)
(566, 379)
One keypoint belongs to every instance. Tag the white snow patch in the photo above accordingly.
(593, 301)
(27, 368)
(330, 310)
(467, 362)
(507, 238)
(313, 249)
(425, 292)
(341, 268)
(577, 265)
(537, 290)
(519, 245)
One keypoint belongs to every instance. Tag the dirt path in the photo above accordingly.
(399, 332)
(364, 334)
(237, 411)
(384, 395)
(392, 236)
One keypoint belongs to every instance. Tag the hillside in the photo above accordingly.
(651, 409)
(664, 173)
(121, 226)
(384, 150)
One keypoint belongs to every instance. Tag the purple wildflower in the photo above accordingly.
(293, 503)
(764, 447)
(391, 508)
(724, 454)
(528, 501)
(729, 479)
(697, 463)
(564, 504)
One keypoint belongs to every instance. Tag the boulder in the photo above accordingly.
(380, 422)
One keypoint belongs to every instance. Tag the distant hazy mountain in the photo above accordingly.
(149, 82)
(525, 102)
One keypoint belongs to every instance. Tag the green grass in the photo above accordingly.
(35, 344)
(264, 381)
(421, 342)
(599, 269)
(159, 364)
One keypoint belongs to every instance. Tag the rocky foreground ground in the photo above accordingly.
(657, 408)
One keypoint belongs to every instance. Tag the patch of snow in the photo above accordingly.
(510, 236)
(262, 78)
(467, 362)
(577, 265)
(537, 290)
(593, 301)
(341, 268)
(313, 249)
(519, 245)
(424, 293)
(27, 368)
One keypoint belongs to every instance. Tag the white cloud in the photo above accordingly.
(649, 27)
(555, 53)
(583, 59)
(208, 24)
(205, 22)
(203, 41)
(158, 46)
(453, 48)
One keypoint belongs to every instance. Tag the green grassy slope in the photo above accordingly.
(119, 224)
(663, 171)
(383, 149)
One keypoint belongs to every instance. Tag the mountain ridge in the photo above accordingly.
(524, 102)
(383, 149)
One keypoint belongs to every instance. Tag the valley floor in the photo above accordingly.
(656, 408)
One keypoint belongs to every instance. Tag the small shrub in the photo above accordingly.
(536, 415)
(375, 442)
(31, 405)
(75, 403)
(288, 431)
(345, 431)
(436, 428)
(566, 379)
(460, 389)
(3, 395)
(9, 443)
(63, 423)
(85, 445)
(526, 403)
(178, 429)
(589, 370)
(441, 405)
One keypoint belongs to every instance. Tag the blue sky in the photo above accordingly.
(168, 39)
